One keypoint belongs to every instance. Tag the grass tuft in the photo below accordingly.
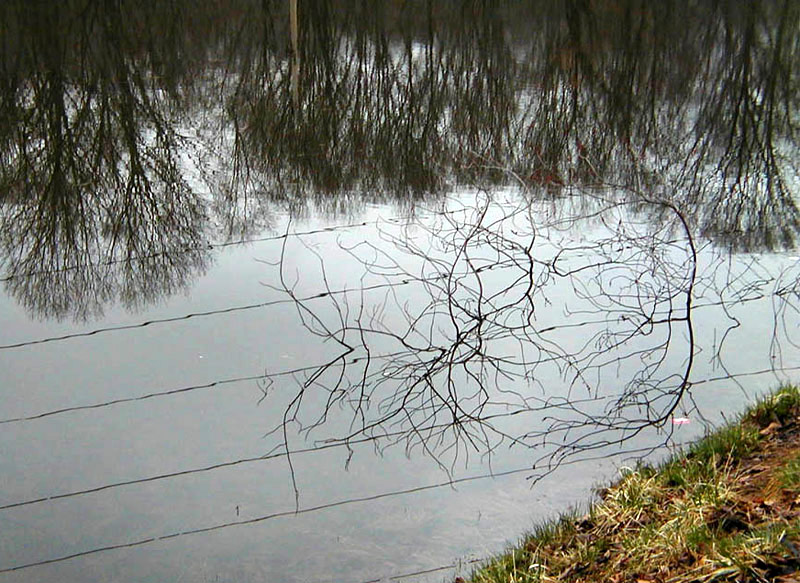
(778, 407)
(789, 475)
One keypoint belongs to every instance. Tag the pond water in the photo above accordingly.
(366, 296)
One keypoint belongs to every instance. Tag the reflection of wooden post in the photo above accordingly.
(295, 75)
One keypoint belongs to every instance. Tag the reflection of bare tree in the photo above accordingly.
(746, 132)
(601, 92)
(96, 207)
(468, 322)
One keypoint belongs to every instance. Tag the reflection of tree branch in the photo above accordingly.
(476, 341)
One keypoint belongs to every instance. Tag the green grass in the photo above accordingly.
(778, 406)
(789, 476)
(702, 515)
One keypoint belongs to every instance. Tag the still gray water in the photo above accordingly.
(365, 296)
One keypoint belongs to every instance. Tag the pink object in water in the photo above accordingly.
(680, 421)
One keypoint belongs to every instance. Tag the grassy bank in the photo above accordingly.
(728, 509)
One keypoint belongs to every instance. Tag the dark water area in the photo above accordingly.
(361, 291)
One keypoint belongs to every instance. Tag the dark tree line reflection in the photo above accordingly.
(700, 98)
(103, 102)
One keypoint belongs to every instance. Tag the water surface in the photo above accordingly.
(368, 301)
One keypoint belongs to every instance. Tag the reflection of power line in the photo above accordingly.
(428, 571)
(178, 391)
(552, 403)
(746, 374)
(210, 246)
(645, 451)
(402, 281)
(246, 307)
(264, 518)
(176, 474)
(221, 382)
(229, 310)
(631, 452)
(195, 249)
(112, 402)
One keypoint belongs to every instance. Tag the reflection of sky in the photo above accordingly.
(82, 449)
